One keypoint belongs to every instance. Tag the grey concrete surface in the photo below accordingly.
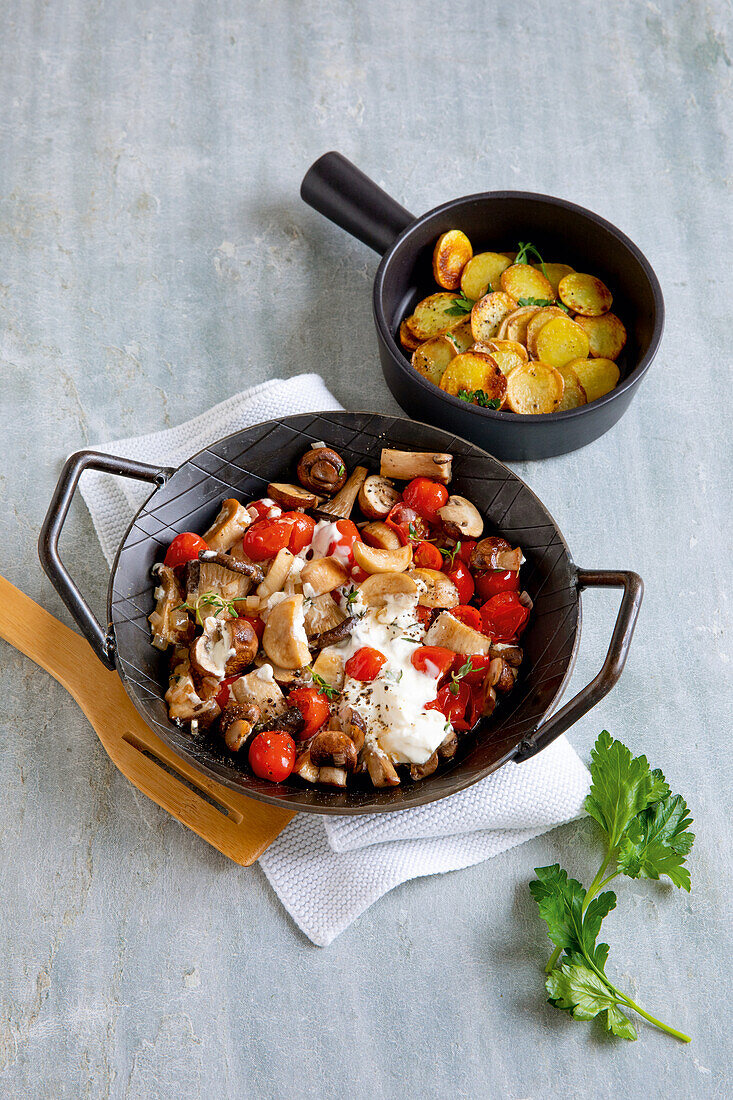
(154, 258)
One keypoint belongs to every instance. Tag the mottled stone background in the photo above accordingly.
(154, 258)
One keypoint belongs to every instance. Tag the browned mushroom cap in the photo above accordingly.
(236, 724)
(449, 745)
(244, 642)
(495, 553)
(322, 470)
(422, 771)
(501, 675)
(331, 748)
(512, 654)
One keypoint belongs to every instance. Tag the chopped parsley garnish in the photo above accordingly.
(478, 397)
(526, 249)
(461, 306)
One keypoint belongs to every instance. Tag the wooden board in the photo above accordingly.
(239, 827)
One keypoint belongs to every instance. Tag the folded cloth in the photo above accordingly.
(326, 871)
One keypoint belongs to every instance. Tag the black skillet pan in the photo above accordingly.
(495, 221)
(187, 499)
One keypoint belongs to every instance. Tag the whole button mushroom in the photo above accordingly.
(322, 470)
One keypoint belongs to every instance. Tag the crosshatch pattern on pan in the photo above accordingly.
(241, 465)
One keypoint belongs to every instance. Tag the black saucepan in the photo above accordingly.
(494, 220)
(188, 498)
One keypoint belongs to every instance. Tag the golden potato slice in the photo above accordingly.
(573, 395)
(523, 281)
(606, 334)
(511, 345)
(514, 326)
(474, 372)
(432, 357)
(585, 294)
(554, 273)
(488, 313)
(534, 388)
(560, 341)
(537, 322)
(451, 254)
(461, 335)
(507, 354)
(408, 341)
(597, 376)
(431, 316)
(482, 272)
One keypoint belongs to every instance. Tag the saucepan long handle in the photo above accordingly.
(100, 639)
(613, 665)
(341, 192)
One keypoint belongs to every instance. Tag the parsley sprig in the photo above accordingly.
(543, 302)
(479, 397)
(527, 249)
(461, 306)
(647, 835)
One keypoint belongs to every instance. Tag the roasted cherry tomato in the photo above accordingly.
(479, 667)
(427, 556)
(434, 660)
(464, 550)
(425, 496)
(272, 755)
(462, 578)
(264, 509)
(471, 616)
(454, 705)
(301, 530)
(424, 615)
(498, 580)
(265, 537)
(342, 546)
(256, 623)
(185, 547)
(408, 524)
(504, 617)
(365, 664)
(358, 574)
(222, 695)
(313, 705)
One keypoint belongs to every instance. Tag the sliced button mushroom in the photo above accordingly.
(229, 526)
(332, 777)
(259, 687)
(448, 746)
(381, 769)
(461, 519)
(373, 560)
(422, 771)
(436, 589)
(342, 504)
(380, 535)
(378, 589)
(405, 465)
(284, 640)
(501, 675)
(323, 575)
(495, 553)
(377, 497)
(305, 768)
(184, 702)
(236, 724)
(225, 648)
(322, 470)
(331, 748)
(451, 633)
(291, 496)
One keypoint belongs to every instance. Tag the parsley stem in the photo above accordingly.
(647, 1016)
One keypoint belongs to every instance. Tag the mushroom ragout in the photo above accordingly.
(342, 628)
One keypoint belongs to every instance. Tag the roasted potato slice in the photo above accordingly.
(483, 272)
(514, 325)
(460, 335)
(597, 376)
(451, 254)
(606, 335)
(534, 388)
(473, 371)
(536, 322)
(488, 313)
(431, 316)
(523, 281)
(408, 341)
(554, 273)
(573, 395)
(560, 341)
(507, 353)
(585, 294)
(433, 356)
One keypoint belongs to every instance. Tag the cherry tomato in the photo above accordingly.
(434, 660)
(426, 496)
(462, 578)
(264, 509)
(301, 531)
(365, 664)
(498, 580)
(453, 705)
(465, 549)
(313, 705)
(223, 694)
(504, 616)
(272, 755)
(424, 615)
(408, 524)
(471, 616)
(427, 556)
(185, 547)
(256, 623)
(358, 574)
(265, 537)
(342, 547)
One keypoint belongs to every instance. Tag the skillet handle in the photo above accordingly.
(101, 640)
(341, 192)
(613, 665)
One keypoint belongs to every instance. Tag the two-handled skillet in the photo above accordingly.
(241, 465)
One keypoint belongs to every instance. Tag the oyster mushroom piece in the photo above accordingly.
(373, 560)
(380, 535)
(436, 589)
(377, 497)
(329, 665)
(342, 504)
(169, 621)
(322, 470)
(322, 614)
(332, 777)
(405, 465)
(259, 687)
(451, 633)
(305, 768)
(184, 702)
(285, 641)
(422, 771)
(228, 527)
(277, 574)
(323, 575)
(379, 589)
(381, 769)
(461, 519)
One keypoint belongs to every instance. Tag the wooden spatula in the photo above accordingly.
(240, 827)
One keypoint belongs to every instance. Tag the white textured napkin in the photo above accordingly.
(327, 871)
